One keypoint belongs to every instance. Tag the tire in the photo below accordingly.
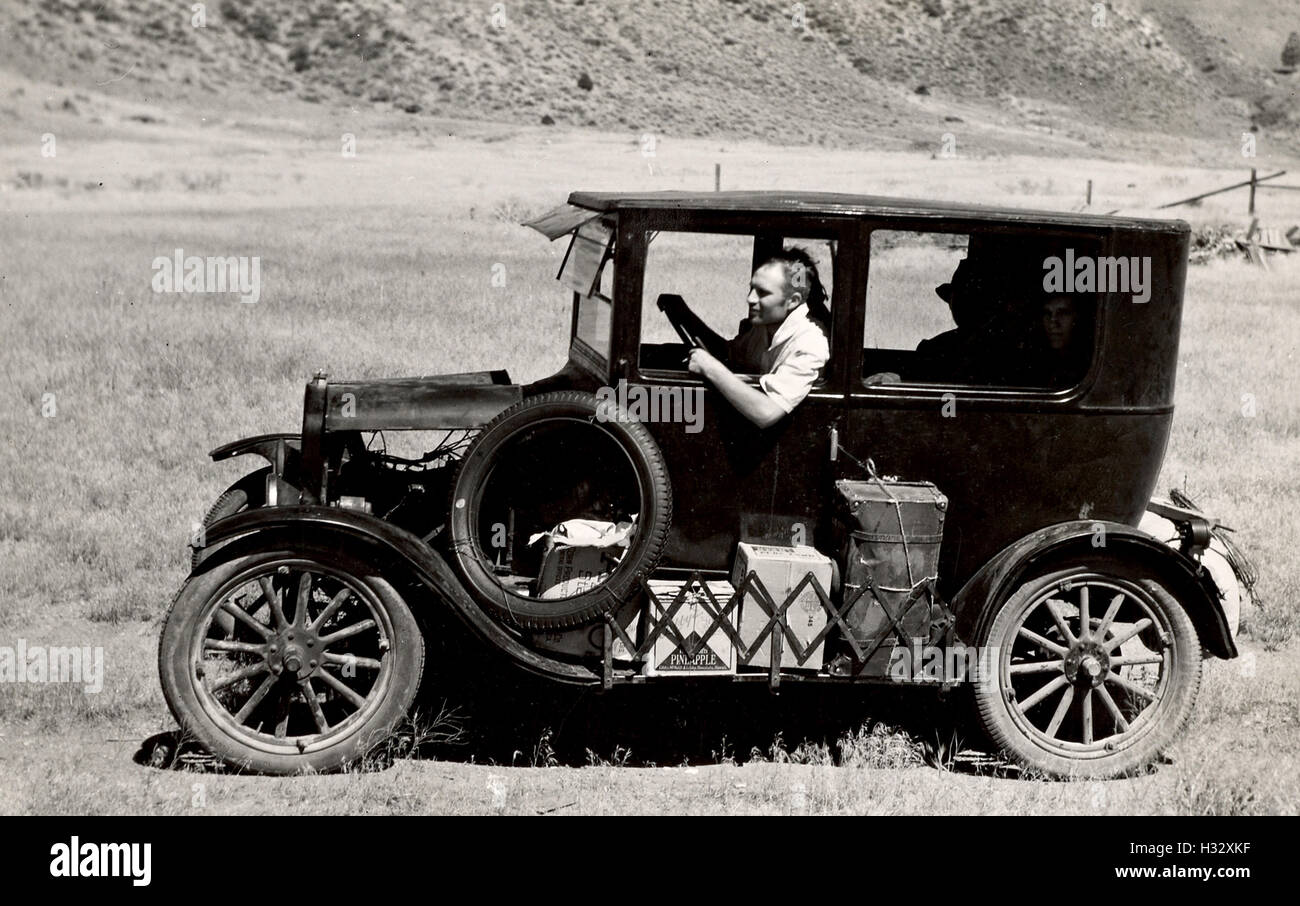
(270, 720)
(570, 411)
(1098, 726)
(247, 493)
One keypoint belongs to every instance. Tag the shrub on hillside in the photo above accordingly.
(256, 23)
(300, 57)
(1291, 51)
(1274, 109)
(262, 25)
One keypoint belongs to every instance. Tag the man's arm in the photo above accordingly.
(750, 401)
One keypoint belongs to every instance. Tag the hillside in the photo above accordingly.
(832, 72)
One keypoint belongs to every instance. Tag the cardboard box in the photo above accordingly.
(568, 571)
(780, 569)
(693, 620)
(588, 641)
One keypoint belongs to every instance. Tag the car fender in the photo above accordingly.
(1190, 585)
(381, 540)
(274, 448)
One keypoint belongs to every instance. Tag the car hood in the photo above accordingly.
(433, 402)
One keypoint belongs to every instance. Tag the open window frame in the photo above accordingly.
(769, 234)
(978, 233)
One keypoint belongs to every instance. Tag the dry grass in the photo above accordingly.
(382, 266)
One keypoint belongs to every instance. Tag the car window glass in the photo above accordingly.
(970, 310)
(586, 255)
(711, 272)
(595, 311)
(594, 319)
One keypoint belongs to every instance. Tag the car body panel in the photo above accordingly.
(1028, 472)
(268, 446)
(1193, 587)
(424, 403)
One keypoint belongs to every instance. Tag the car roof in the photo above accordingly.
(845, 204)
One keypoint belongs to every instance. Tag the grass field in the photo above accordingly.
(382, 265)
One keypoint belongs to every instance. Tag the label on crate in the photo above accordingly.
(705, 658)
(692, 621)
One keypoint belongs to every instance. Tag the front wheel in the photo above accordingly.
(290, 660)
(1089, 674)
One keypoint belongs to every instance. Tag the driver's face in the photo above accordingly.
(769, 302)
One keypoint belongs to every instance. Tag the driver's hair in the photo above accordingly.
(801, 274)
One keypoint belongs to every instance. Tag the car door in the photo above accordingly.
(996, 441)
(731, 479)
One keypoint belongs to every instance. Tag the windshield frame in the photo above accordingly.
(584, 347)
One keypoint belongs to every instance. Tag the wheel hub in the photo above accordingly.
(295, 652)
(1087, 662)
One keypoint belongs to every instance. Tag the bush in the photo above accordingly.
(1291, 51)
(300, 57)
(262, 25)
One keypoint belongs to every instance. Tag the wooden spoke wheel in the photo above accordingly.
(284, 661)
(1094, 674)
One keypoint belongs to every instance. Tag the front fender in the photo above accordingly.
(274, 448)
(1190, 585)
(384, 541)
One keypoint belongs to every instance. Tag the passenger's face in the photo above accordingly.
(769, 300)
(1058, 322)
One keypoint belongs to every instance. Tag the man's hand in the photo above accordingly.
(702, 362)
(751, 402)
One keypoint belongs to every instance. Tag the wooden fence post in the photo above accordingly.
(1253, 183)
(717, 177)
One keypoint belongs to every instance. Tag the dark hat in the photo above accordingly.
(963, 276)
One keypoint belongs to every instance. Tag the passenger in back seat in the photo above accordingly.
(961, 293)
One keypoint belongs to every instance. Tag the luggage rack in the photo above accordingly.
(719, 614)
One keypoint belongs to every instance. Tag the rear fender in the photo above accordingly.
(378, 542)
(1186, 580)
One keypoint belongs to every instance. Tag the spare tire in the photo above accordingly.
(547, 459)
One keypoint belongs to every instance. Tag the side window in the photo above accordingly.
(710, 271)
(711, 274)
(957, 309)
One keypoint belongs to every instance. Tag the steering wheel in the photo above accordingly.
(670, 304)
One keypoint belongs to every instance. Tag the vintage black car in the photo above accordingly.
(971, 487)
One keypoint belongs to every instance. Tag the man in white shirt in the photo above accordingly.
(795, 347)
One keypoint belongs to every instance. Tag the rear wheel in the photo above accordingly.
(1092, 673)
(290, 660)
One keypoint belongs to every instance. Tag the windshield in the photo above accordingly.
(586, 271)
